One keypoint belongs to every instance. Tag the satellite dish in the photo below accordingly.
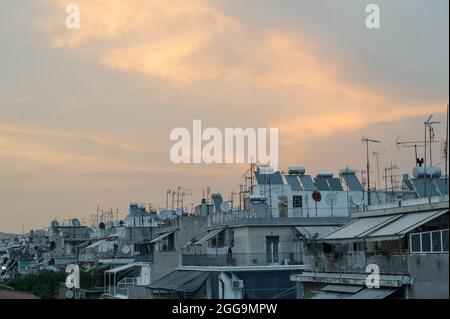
(225, 207)
(331, 199)
(125, 249)
(316, 196)
(69, 294)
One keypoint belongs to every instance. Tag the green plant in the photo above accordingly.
(43, 284)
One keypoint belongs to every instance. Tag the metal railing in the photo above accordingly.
(253, 259)
(123, 286)
(357, 263)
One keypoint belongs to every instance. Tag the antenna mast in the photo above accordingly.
(446, 152)
(377, 154)
(367, 141)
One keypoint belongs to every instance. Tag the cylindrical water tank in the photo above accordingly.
(431, 171)
(325, 174)
(347, 171)
(296, 170)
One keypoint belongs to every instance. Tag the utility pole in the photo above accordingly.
(367, 141)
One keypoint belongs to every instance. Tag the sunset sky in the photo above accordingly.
(85, 114)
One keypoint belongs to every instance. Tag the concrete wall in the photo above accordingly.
(250, 243)
(139, 292)
(189, 227)
(340, 207)
(430, 274)
(166, 262)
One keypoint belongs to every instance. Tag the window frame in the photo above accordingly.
(297, 199)
(430, 234)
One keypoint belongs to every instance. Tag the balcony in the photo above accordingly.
(357, 263)
(239, 260)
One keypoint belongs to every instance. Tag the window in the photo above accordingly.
(297, 202)
(436, 241)
(445, 240)
(426, 242)
(217, 241)
(272, 249)
(167, 244)
(429, 242)
(415, 243)
(283, 206)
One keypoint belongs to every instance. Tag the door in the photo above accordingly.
(272, 255)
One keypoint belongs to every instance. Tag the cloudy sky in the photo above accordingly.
(85, 114)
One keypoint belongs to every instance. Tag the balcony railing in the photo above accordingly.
(337, 263)
(123, 286)
(357, 263)
(254, 259)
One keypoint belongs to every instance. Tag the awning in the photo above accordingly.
(208, 236)
(96, 244)
(310, 232)
(351, 289)
(329, 295)
(161, 237)
(358, 229)
(378, 228)
(183, 281)
(373, 293)
(352, 292)
(122, 268)
(408, 222)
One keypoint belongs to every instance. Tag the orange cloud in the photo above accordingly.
(330, 123)
(104, 141)
(189, 43)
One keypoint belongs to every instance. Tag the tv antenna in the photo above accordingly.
(411, 144)
(377, 155)
(428, 124)
(367, 141)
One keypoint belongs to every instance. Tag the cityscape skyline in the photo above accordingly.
(86, 114)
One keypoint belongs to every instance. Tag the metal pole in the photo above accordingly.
(367, 140)
(378, 170)
(446, 152)
(425, 158)
(430, 136)
(368, 174)
(385, 184)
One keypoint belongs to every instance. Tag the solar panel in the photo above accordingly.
(307, 182)
(261, 209)
(352, 182)
(335, 184)
(217, 200)
(408, 184)
(293, 182)
(424, 187)
(322, 184)
(442, 185)
(274, 178)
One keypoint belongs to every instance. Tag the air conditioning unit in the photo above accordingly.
(237, 284)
